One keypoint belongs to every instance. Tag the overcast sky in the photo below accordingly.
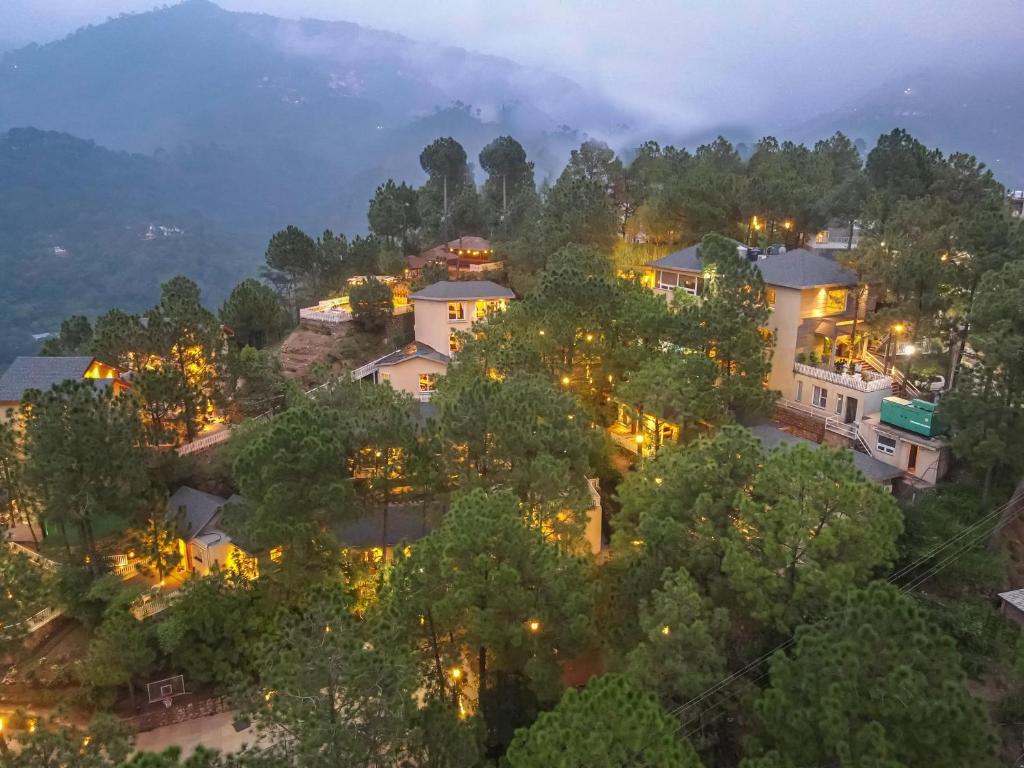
(666, 58)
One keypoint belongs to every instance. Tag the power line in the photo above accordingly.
(900, 573)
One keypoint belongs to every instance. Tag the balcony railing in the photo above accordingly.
(867, 381)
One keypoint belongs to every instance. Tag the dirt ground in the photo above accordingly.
(305, 347)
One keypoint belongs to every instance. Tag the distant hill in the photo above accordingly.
(228, 126)
(980, 112)
(307, 105)
(85, 228)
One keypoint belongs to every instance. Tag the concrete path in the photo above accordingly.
(213, 732)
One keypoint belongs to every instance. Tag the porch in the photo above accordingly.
(640, 433)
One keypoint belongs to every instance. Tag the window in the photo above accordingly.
(427, 382)
(799, 391)
(691, 284)
(667, 281)
(912, 459)
(456, 311)
(835, 301)
(453, 343)
(886, 444)
(821, 237)
(10, 413)
(819, 398)
(384, 375)
(839, 404)
(275, 554)
(769, 296)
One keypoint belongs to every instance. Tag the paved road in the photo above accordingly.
(213, 732)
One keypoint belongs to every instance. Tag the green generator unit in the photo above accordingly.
(917, 416)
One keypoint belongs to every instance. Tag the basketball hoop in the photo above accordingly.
(164, 691)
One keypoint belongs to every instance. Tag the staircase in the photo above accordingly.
(900, 385)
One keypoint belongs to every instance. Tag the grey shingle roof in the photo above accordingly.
(194, 509)
(40, 373)
(404, 524)
(771, 437)
(802, 268)
(415, 349)
(798, 268)
(453, 290)
(1014, 597)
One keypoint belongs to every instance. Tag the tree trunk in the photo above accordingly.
(482, 682)
(439, 671)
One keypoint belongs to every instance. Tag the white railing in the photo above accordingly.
(43, 562)
(202, 443)
(832, 424)
(334, 317)
(121, 565)
(38, 620)
(487, 266)
(897, 375)
(364, 370)
(150, 605)
(844, 379)
(793, 405)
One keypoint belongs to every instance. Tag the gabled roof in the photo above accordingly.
(194, 509)
(405, 523)
(455, 290)
(470, 243)
(413, 350)
(798, 268)
(41, 373)
(1014, 597)
(803, 268)
(771, 437)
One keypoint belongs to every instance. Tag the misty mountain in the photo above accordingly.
(979, 112)
(314, 113)
(86, 228)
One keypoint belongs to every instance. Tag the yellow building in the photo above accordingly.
(42, 373)
(815, 363)
(441, 311)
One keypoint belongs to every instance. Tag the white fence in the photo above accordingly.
(150, 605)
(874, 383)
(202, 443)
(332, 317)
(364, 370)
(43, 562)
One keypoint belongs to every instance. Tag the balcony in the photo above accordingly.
(866, 380)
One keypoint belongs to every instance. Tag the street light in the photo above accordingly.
(534, 626)
(565, 381)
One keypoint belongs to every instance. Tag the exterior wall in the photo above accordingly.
(784, 322)
(405, 376)
(932, 461)
(867, 402)
(433, 326)
(595, 519)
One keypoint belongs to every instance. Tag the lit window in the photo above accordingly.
(427, 382)
(275, 554)
(456, 311)
(691, 284)
(453, 343)
(821, 237)
(886, 445)
(835, 301)
(819, 398)
(769, 296)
